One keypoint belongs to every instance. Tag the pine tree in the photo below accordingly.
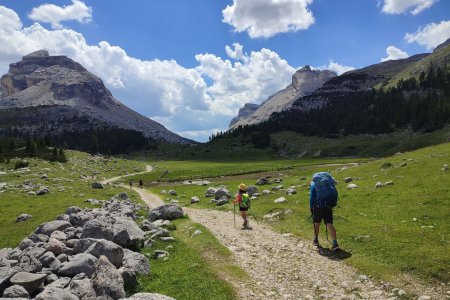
(33, 149)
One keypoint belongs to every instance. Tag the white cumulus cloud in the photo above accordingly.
(266, 18)
(431, 35)
(401, 6)
(336, 67)
(393, 53)
(53, 14)
(192, 101)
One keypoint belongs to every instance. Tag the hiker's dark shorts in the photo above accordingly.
(325, 214)
(243, 208)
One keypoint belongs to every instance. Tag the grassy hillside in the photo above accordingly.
(69, 184)
(391, 232)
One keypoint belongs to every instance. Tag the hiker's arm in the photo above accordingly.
(238, 199)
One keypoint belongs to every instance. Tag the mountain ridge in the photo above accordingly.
(50, 85)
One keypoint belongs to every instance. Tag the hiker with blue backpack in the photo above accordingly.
(243, 199)
(323, 197)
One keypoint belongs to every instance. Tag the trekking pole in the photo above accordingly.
(253, 214)
(234, 213)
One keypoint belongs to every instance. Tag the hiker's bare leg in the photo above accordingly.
(332, 231)
(316, 230)
(244, 217)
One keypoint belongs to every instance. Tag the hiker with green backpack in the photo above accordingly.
(243, 199)
(323, 197)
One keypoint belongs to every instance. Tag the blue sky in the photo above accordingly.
(168, 60)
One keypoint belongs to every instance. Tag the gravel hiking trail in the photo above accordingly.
(281, 266)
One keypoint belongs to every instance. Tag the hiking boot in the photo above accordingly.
(316, 243)
(335, 247)
(247, 227)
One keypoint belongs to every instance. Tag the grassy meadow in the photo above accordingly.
(392, 232)
(69, 184)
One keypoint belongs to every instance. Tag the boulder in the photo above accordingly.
(23, 218)
(165, 212)
(82, 245)
(148, 296)
(127, 233)
(348, 179)
(222, 201)
(49, 227)
(262, 181)
(60, 283)
(35, 251)
(280, 200)
(99, 228)
(55, 246)
(83, 289)
(172, 193)
(146, 225)
(222, 192)
(136, 261)
(26, 243)
(195, 199)
(389, 183)
(129, 278)
(81, 218)
(16, 291)
(107, 281)
(80, 263)
(97, 185)
(42, 191)
(111, 250)
(48, 260)
(5, 274)
(72, 210)
(30, 281)
(54, 293)
(210, 192)
(59, 235)
(445, 168)
(266, 192)
(28, 263)
(251, 190)
(38, 238)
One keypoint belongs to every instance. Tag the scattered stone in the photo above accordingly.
(136, 262)
(280, 200)
(210, 192)
(111, 250)
(82, 288)
(107, 281)
(148, 296)
(291, 191)
(26, 243)
(172, 193)
(252, 190)
(42, 191)
(31, 282)
(262, 181)
(80, 263)
(165, 212)
(222, 201)
(403, 164)
(348, 179)
(386, 165)
(197, 232)
(362, 278)
(389, 183)
(61, 283)
(195, 199)
(379, 185)
(352, 186)
(55, 246)
(222, 192)
(16, 291)
(72, 210)
(23, 218)
(28, 263)
(129, 278)
(97, 185)
(99, 228)
(157, 254)
(266, 192)
(5, 274)
(54, 293)
(166, 238)
(414, 219)
(163, 192)
(49, 227)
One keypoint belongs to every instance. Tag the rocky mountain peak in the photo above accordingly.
(443, 45)
(39, 53)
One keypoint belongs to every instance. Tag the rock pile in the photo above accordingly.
(84, 254)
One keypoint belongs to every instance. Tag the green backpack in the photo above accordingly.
(245, 203)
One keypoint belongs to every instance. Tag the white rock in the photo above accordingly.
(351, 186)
(280, 200)
(378, 185)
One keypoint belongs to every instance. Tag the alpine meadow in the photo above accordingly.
(231, 149)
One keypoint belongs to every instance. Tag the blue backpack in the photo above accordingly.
(326, 193)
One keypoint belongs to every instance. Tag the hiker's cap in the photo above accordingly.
(242, 187)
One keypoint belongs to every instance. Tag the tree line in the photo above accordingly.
(421, 104)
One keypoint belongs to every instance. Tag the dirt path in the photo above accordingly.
(282, 266)
(148, 169)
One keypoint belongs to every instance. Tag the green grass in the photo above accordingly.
(375, 225)
(196, 267)
(66, 186)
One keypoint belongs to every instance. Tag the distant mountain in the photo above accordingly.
(406, 95)
(304, 82)
(45, 95)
